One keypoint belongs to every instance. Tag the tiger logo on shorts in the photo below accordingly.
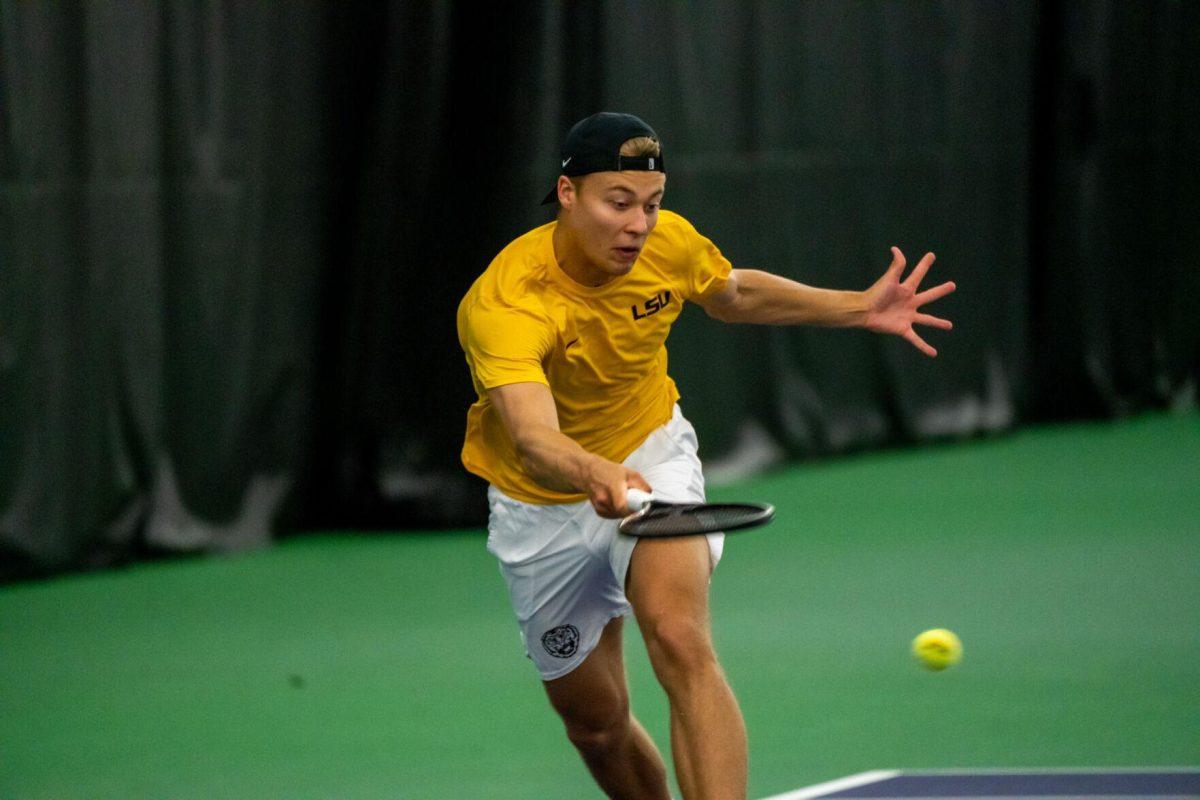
(561, 642)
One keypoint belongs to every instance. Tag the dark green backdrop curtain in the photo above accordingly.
(1116, 244)
(233, 235)
(164, 185)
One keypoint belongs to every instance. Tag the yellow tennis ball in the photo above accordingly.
(937, 649)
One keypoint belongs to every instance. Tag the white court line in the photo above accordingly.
(1055, 797)
(841, 784)
(1048, 770)
(875, 776)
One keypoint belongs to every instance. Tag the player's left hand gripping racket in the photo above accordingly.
(657, 518)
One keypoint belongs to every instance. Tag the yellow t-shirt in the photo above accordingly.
(601, 349)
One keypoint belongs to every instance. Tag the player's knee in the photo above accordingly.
(680, 649)
(598, 734)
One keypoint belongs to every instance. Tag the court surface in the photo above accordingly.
(1146, 784)
(355, 665)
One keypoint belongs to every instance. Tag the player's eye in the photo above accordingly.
(620, 204)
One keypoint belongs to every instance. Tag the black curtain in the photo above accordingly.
(233, 236)
(164, 198)
(1116, 244)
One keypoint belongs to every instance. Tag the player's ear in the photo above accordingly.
(567, 191)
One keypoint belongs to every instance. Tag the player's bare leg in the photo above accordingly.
(668, 587)
(593, 701)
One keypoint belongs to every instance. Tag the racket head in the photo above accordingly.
(660, 520)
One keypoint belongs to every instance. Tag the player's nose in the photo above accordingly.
(638, 223)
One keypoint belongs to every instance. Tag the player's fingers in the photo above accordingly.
(918, 273)
(608, 511)
(896, 268)
(619, 500)
(603, 502)
(919, 343)
(634, 480)
(932, 321)
(937, 292)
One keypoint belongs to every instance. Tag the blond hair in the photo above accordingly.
(641, 146)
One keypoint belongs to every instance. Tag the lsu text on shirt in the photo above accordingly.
(600, 349)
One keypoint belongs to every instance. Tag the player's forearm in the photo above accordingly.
(555, 460)
(767, 299)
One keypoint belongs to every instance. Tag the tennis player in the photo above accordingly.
(564, 335)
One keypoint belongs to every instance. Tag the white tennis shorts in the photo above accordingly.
(565, 566)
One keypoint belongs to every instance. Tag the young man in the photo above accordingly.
(564, 335)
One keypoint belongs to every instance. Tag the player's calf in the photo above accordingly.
(620, 757)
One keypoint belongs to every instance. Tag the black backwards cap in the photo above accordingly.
(594, 145)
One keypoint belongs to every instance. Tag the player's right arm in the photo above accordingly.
(555, 460)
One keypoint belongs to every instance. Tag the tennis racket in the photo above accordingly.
(657, 518)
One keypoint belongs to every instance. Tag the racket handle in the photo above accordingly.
(636, 499)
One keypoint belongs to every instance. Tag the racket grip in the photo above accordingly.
(636, 499)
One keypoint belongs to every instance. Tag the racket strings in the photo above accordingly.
(681, 520)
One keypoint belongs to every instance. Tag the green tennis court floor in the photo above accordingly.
(387, 666)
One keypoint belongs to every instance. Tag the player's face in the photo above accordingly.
(611, 214)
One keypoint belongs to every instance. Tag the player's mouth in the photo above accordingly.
(627, 253)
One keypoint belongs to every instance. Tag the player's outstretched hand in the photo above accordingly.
(607, 482)
(893, 305)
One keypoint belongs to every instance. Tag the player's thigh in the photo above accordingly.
(594, 696)
(670, 575)
(667, 586)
